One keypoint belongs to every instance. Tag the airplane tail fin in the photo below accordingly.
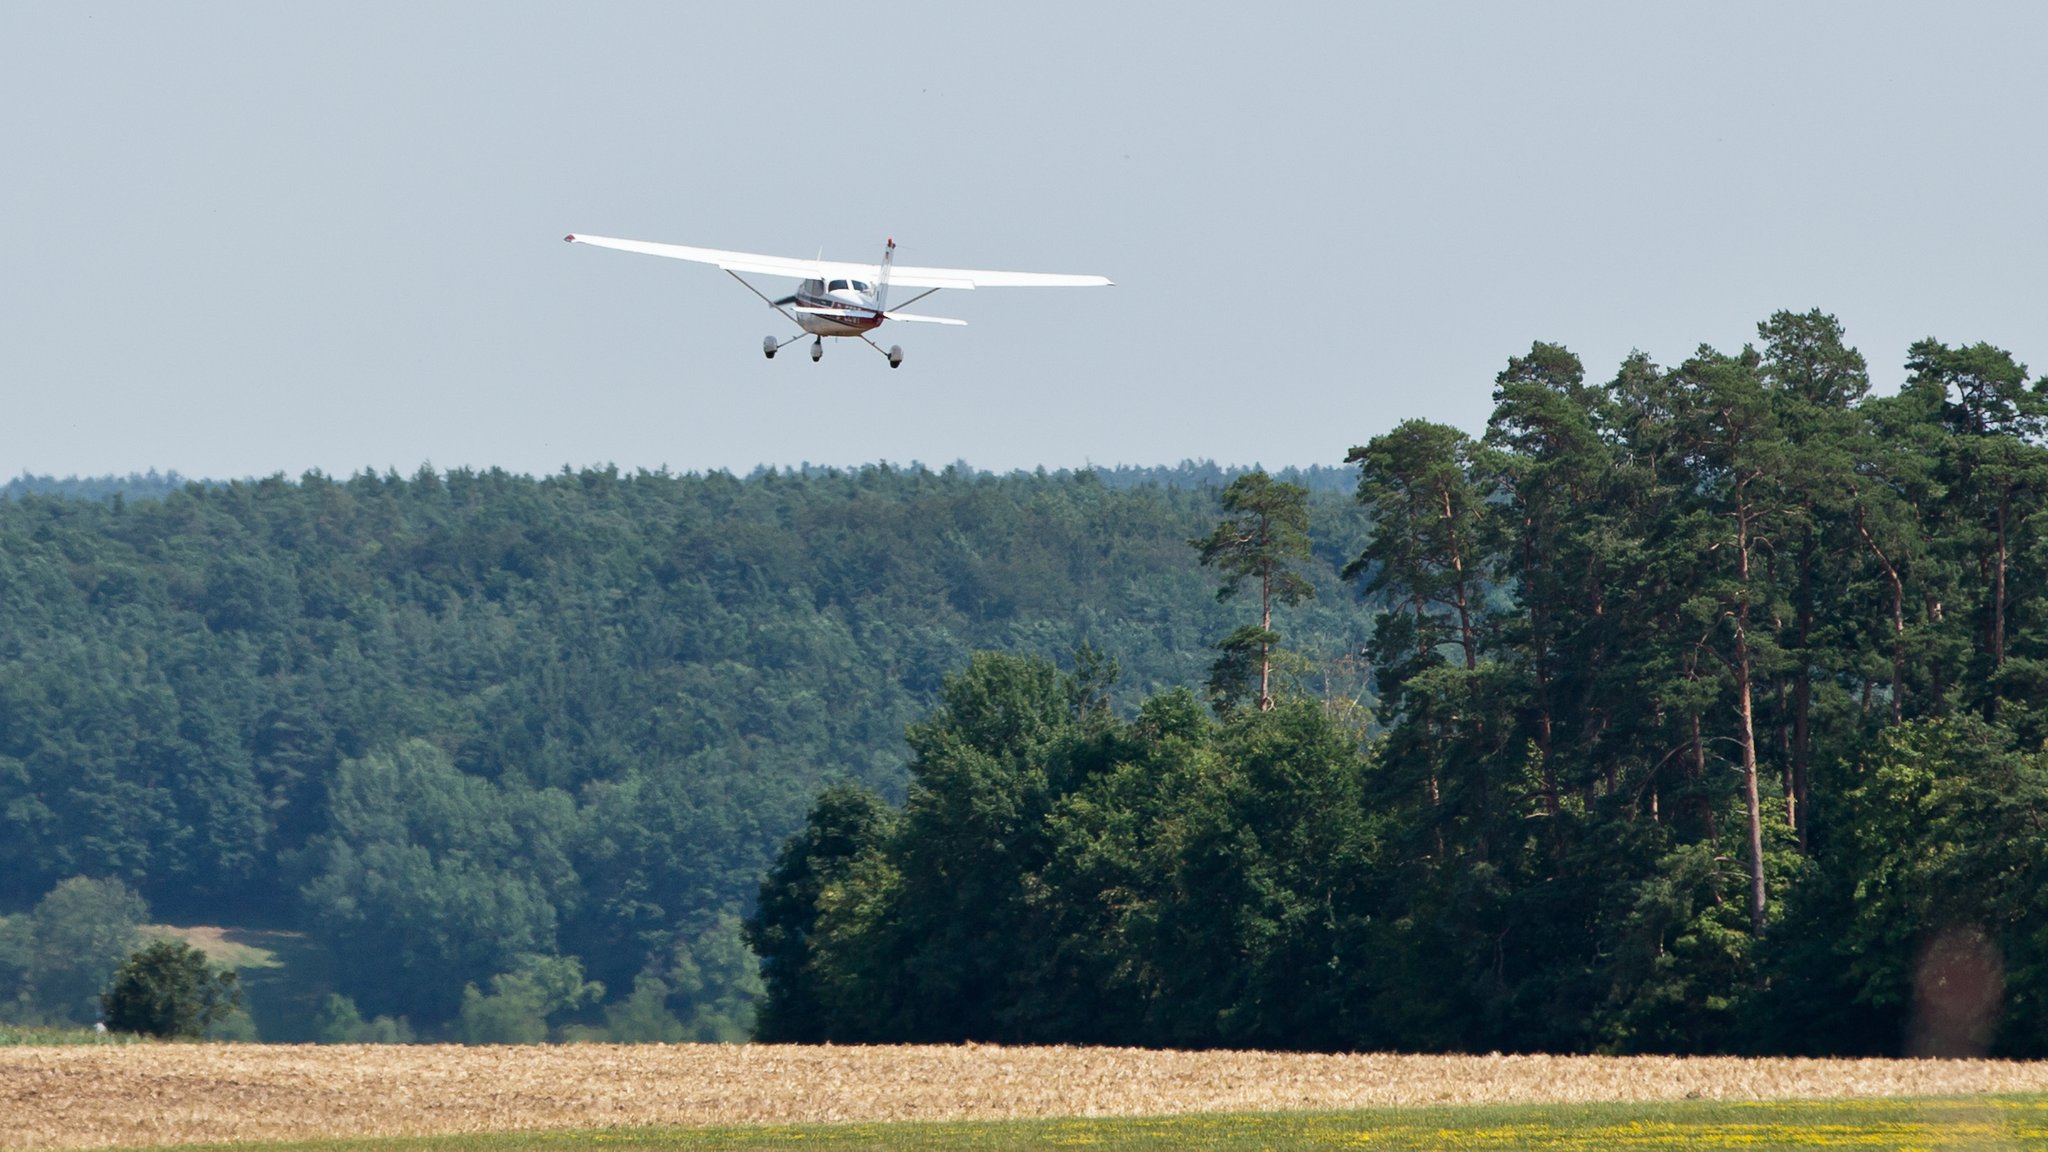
(882, 281)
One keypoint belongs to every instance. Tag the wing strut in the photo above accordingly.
(765, 299)
(919, 296)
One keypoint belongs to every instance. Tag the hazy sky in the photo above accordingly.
(271, 237)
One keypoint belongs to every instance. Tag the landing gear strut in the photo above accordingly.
(769, 347)
(895, 352)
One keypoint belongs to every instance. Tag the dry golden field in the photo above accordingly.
(79, 1097)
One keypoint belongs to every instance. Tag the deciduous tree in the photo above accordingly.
(169, 989)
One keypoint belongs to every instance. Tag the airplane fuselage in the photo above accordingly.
(836, 307)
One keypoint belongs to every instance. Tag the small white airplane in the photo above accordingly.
(841, 299)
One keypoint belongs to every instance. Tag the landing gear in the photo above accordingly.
(894, 354)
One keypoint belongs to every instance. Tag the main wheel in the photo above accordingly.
(817, 350)
(895, 355)
(768, 347)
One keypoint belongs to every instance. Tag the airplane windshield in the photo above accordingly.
(838, 286)
(860, 287)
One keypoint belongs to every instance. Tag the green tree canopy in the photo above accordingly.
(1263, 538)
(170, 990)
(61, 954)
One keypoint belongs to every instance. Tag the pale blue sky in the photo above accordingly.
(254, 238)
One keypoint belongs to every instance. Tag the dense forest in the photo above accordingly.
(1704, 709)
(1711, 709)
(514, 752)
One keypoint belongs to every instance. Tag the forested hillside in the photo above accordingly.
(1713, 702)
(1708, 712)
(516, 735)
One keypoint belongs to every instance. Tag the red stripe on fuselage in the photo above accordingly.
(846, 325)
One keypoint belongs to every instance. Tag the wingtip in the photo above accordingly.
(570, 238)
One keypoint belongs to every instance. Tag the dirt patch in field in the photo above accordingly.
(173, 1093)
(238, 948)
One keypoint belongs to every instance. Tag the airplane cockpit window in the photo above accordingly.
(860, 287)
(839, 286)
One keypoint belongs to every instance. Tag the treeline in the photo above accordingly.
(1711, 719)
(515, 751)
(150, 485)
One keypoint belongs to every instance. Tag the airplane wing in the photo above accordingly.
(730, 261)
(857, 314)
(922, 319)
(801, 269)
(905, 276)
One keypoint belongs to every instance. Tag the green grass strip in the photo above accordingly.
(1868, 1125)
(22, 1035)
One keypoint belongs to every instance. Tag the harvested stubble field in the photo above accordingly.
(159, 1094)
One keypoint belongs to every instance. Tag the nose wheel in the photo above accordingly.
(817, 350)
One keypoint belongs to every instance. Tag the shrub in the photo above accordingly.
(168, 989)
